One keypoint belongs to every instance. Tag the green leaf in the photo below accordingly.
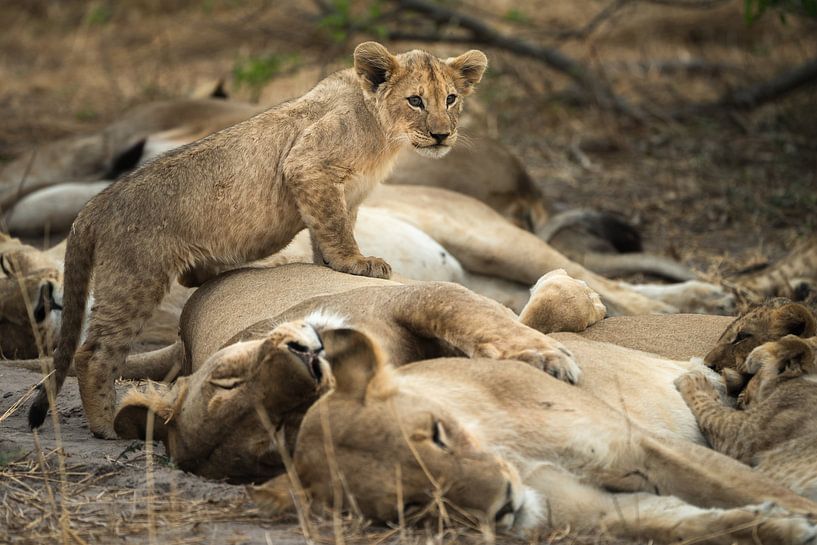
(515, 15)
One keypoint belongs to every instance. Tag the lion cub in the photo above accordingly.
(776, 431)
(243, 193)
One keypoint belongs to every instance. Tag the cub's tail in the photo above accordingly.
(79, 262)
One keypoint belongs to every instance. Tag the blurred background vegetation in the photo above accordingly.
(696, 119)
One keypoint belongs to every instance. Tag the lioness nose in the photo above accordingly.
(440, 136)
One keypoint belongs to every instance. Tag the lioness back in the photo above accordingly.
(235, 300)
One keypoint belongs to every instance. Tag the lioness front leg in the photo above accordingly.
(320, 197)
(663, 519)
(480, 327)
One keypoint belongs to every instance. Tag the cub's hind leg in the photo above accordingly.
(122, 305)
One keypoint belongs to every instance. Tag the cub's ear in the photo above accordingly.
(131, 419)
(795, 319)
(796, 357)
(273, 497)
(358, 366)
(469, 68)
(374, 65)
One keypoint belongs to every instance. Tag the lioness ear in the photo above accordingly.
(273, 497)
(374, 64)
(6, 266)
(795, 319)
(131, 419)
(358, 366)
(469, 67)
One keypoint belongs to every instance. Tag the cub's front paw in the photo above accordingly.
(695, 382)
(373, 267)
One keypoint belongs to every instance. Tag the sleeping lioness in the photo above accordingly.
(251, 378)
(243, 318)
(241, 194)
(502, 444)
(249, 337)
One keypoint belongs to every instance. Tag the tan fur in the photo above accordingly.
(776, 430)
(226, 320)
(243, 193)
(510, 446)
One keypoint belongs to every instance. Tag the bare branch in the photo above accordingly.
(482, 33)
(603, 15)
(783, 83)
(750, 97)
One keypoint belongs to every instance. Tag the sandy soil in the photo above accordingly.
(106, 486)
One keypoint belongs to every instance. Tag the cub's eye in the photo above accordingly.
(415, 101)
(438, 435)
(227, 383)
(450, 99)
(742, 336)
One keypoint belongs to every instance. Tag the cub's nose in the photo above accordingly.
(440, 136)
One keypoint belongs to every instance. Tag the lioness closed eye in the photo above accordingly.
(243, 193)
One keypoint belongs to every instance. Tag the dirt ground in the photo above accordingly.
(720, 191)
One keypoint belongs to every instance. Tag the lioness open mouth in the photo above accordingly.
(311, 359)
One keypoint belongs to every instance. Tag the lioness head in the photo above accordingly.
(419, 94)
(392, 450)
(30, 311)
(220, 422)
(775, 362)
(770, 322)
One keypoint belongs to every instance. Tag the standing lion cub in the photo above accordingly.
(242, 194)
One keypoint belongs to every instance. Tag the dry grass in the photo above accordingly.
(95, 512)
(719, 192)
(100, 513)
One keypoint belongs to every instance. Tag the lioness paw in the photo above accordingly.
(556, 361)
(793, 530)
(373, 267)
(559, 302)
